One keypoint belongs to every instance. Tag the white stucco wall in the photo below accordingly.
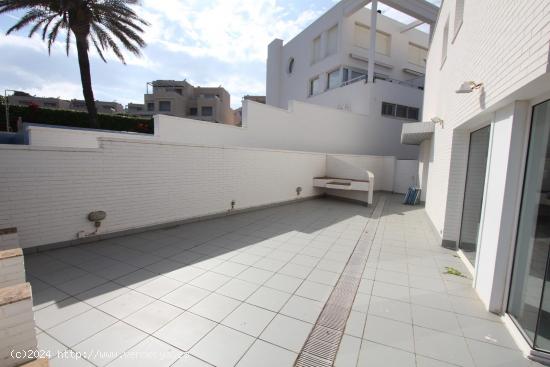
(302, 127)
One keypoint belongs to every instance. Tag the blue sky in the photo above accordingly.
(207, 42)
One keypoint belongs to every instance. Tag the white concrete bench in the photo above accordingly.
(350, 184)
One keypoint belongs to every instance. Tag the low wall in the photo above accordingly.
(303, 126)
(47, 192)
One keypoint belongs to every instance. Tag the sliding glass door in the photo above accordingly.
(529, 301)
(473, 193)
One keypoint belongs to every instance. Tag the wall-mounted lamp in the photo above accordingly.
(468, 87)
(437, 120)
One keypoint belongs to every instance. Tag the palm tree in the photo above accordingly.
(98, 21)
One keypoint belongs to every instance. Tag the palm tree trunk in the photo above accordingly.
(85, 76)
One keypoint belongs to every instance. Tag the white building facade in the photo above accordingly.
(327, 65)
(484, 154)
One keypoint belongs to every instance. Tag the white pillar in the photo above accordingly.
(372, 47)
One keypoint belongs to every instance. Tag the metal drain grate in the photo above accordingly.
(323, 342)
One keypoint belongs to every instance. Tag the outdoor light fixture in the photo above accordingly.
(437, 120)
(468, 87)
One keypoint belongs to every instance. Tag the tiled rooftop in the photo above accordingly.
(245, 290)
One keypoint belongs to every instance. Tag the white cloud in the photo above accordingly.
(226, 30)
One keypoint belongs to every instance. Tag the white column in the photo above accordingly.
(372, 47)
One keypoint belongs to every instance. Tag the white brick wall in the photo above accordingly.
(16, 331)
(48, 192)
(505, 45)
(12, 271)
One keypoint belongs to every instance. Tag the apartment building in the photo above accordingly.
(328, 62)
(181, 99)
(25, 99)
(485, 154)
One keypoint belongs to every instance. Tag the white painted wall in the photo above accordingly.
(48, 136)
(303, 127)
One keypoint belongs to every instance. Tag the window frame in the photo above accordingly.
(327, 43)
(310, 86)
(165, 110)
(458, 18)
(414, 45)
(338, 79)
(211, 111)
(445, 43)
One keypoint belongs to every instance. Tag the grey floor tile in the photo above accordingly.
(215, 307)
(355, 325)
(389, 332)
(487, 331)
(153, 316)
(238, 289)
(442, 346)
(185, 330)
(223, 347)
(302, 308)
(390, 309)
(287, 332)
(284, 283)
(110, 343)
(436, 319)
(249, 319)
(81, 327)
(489, 355)
(185, 296)
(378, 355)
(151, 351)
(59, 312)
(348, 352)
(268, 298)
(267, 355)
(126, 304)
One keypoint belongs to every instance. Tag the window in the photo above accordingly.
(164, 106)
(206, 111)
(150, 106)
(400, 111)
(333, 79)
(50, 104)
(362, 39)
(290, 68)
(332, 40)
(417, 55)
(193, 111)
(351, 74)
(316, 52)
(459, 16)
(314, 86)
(413, 113)
(445, 42)
(388, 109)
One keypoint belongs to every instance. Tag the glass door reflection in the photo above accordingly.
(529, 301)
(473, 193)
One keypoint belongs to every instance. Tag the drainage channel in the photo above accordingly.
(323, 342)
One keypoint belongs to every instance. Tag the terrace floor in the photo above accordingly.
(245, 290)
